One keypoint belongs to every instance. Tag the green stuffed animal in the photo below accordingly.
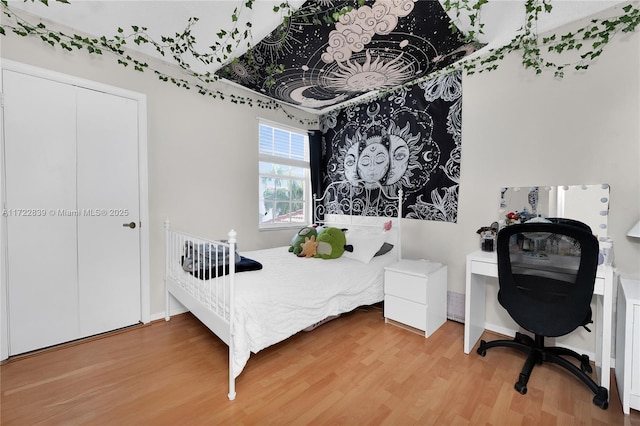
(298, 239)
(331, 243)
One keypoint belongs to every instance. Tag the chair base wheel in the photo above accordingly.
(520, 387)
(584, 364)
(481, 350)
(601, 399)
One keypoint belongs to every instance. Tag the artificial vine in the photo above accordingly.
(588, 42)
(472, 9)
(176, 47)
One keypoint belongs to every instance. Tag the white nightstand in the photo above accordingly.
(415, 294)
(628, 344)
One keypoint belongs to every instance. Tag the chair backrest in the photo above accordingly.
(547, 273)
(567, 221)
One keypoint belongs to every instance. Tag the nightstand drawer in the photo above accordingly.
(405, 286)
(405, 311)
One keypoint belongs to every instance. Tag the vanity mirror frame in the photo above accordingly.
(586, 203)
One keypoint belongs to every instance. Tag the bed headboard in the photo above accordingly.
(359, 204)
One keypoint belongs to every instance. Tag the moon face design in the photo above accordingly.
(298, 96)
(399, 158)
(351, 163)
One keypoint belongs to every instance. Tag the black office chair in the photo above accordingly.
(546, 273)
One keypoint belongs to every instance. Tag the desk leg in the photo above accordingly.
(474, 309)
(604, 314)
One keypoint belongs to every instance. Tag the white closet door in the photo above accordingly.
(108, 251)
(40, 152)
(71, 171)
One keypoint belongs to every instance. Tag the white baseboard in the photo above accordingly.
(505, 331)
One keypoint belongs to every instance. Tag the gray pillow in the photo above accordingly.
(386, 248)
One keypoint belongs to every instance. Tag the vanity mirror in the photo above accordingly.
(586, 203)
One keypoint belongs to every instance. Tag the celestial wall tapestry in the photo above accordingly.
(381, 45)
(410, 140)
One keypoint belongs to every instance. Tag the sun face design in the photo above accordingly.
(353, 76)
(381, 154)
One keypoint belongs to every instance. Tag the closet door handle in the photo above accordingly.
(131, 225)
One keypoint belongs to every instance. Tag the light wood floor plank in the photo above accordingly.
(353, 370)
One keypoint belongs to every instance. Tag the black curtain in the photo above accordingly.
(315, 161)
(315, 166)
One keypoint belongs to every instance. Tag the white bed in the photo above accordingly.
(252, 310)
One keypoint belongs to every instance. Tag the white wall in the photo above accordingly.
(519, 129)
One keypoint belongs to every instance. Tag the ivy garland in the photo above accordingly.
(588, 42)
(174, 47)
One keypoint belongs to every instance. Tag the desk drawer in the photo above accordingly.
(484, 268)
(405, 311)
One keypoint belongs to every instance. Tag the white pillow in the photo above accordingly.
(365, 245)
(392, 236)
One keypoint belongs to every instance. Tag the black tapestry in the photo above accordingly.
(410, 140)
(379, 45)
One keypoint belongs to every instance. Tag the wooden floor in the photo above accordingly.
(353, 370)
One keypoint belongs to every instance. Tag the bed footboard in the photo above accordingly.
(200, 274)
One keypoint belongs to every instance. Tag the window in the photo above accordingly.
(284, 183)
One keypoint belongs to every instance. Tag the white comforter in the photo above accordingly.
(291, 293)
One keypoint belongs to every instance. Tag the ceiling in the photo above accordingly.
(324, 66)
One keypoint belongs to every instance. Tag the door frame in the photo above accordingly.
(145, 294)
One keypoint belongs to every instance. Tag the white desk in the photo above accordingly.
(482, 264)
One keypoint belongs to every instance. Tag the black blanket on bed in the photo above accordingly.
(245, 264)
